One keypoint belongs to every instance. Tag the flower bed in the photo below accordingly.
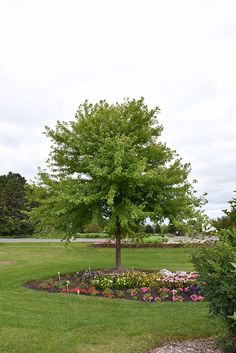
(128, 284)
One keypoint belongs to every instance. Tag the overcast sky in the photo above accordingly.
(179, 54)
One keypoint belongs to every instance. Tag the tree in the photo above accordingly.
(198, 225)
(149, 229)
(108, 165)
(228, 220)
(13, 205)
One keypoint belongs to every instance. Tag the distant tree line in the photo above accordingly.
(18, 198)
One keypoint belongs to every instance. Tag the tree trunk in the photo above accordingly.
(118, 244)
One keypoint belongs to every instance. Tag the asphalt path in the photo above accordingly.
(173, 239)
(34, 240)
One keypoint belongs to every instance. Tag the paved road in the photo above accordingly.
(34, 240)
(174, 239)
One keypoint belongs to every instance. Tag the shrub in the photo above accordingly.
(217, 270)
(164, 229)
(148, 229)
(155, 239)
(93, 228)
(171, 228)
(92, 235)
(157, 228)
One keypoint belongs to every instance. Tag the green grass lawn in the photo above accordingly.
(33, 321)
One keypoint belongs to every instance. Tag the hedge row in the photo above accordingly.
(153, 245)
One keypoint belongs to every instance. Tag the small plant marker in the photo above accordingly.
(59, 276)
(67, 286)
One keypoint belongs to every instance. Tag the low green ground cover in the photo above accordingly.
(41, 322)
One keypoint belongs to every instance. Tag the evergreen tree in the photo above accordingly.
(13, 217)
(228, 220)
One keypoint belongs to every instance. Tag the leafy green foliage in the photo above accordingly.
(164, 229)
(13, 205)
(109, 167)
(216, 267)
(199, 225)
(157, 228)
(155, 239)
(93, 228)
(171, 228)
(148, 229)
(227, 221)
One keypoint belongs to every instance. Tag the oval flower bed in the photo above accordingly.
(128, 284)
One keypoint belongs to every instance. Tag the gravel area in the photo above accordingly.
(205, 345)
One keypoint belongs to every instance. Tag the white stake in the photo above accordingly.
(67, 286)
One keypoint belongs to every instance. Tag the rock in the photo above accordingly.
(164, 272)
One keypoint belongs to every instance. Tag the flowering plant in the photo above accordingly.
(133, 285)
(196, 298)
(148, 297)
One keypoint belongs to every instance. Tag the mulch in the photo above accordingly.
(203, 345)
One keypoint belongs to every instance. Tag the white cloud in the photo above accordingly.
(179, 55)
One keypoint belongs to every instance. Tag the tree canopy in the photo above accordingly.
(109, 166)
(13, 205)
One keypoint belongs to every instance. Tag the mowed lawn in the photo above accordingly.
(33, 321)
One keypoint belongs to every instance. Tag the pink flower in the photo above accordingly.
(133, 293)
(196, 298)
(178, 299)
(194, 275)
(144, 289)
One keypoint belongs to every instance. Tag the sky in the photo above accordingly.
(179, 55)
